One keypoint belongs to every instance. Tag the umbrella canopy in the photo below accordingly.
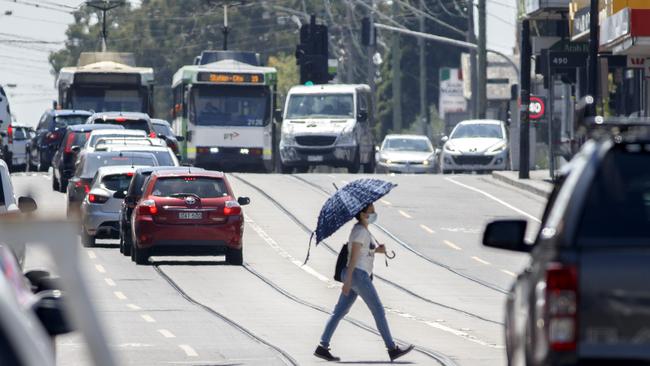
(347, 202)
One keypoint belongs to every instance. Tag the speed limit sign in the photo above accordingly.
(536, 107)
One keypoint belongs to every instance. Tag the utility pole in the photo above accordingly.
(371, 52)
(524, 126)
(482, 60)
(592, 75)
(397, 76)
(471, 38)
(104, 6)
(423, 74)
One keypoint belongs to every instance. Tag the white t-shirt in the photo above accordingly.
(366, 257)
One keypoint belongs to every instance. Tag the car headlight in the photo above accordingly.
(347, 136)
(386, 161)
(498, 148)
(429, 161)
(449, 147)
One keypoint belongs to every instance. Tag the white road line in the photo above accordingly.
(481, 261)
(91, 254)
(386, 202)
(167, 334)
(119, 295)
(100, 268)
(148, 318)
(427, 229)
(189, 351)
(110, 282)
(405, 214)
(495, 199)
(511, 274)
(452, 245)
(134, 307)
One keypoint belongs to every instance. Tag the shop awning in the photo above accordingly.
(627, 32)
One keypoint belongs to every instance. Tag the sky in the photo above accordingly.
(26, 65)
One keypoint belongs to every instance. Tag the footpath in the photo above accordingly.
(539, 183)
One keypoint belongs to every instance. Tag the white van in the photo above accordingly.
(5, 121)
(328, 125)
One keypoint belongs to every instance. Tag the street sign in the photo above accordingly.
(537, 107)
(566, 60)
(451, 98)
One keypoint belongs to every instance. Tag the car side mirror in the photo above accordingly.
(180, 138)
(243, 201)
(119, 194)
(507, 234)
(50, 310)
(444, 139)
(75, 149)
(362, 116)
(27, 204)
(277, 115)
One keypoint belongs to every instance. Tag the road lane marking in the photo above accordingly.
(481, 261)
(452, 245)
(148, 318)
(119, 295)
(495, 199)
(91, 254)
(167, 334)
(511, 274)
(110, 282)
(100, 268)
(386, 202)
(405, 214)
(427, 229)
(134, 307)
(189, 351)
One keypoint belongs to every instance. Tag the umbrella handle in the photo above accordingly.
(391, 255)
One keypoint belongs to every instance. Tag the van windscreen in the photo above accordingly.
(320, 106)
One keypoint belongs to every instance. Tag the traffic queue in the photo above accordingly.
(123, 180)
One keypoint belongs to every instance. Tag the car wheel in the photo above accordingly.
(355, 166)
(121, 246)
(125, 245)
(235, 257)
(140, 256)
(88, 241)
(56, 186)
(43, 165)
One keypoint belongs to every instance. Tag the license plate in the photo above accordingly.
(190, 215)
(315, 158)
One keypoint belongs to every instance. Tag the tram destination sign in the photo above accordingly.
(230, 78)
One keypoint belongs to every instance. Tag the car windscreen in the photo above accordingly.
(617, 207)
(94, 162)
(320, 106)
(405, 144)
(129, 124)
(69, 120)
(95, 138)
(117, 182)
(228, 105)
(163, 130)
(200, 186)
(477, 130)
(77, 139)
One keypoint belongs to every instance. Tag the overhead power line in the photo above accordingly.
(429, 16)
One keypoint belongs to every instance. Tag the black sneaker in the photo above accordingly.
(324, 353)
(397, 352)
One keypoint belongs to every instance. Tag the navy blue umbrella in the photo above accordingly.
(346, 203)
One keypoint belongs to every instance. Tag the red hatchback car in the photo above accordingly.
(188, 213)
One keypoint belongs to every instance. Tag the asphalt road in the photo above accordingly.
(443, 292)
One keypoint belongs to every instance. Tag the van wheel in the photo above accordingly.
(355, 166)
(87, 241)
(235, 257)
(284, 169)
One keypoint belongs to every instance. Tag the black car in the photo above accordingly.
(164, 131)
(128, 120)
(66, 155)
(49, 134)
(88, 164)
(133, 195)
(584, 299)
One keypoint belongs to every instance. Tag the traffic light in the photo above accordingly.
(312, 53)
(368, 33)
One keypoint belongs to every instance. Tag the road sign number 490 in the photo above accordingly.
(560, 60)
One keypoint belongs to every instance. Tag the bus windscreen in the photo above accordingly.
(106, 99)
(226, 105)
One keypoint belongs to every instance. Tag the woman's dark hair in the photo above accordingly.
(358, 216)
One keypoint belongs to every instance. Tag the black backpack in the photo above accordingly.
(341, 262)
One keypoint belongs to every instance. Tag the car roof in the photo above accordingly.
(138, 148)
(117, 169)
(127, 115)
(400, 136)
(91, 154)
(124, 132)
(481, 121)
(69, 112)
(150, 169)
(85, 128)
(186, 173)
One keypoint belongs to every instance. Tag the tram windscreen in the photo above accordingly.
(228, 105)
(108, 99)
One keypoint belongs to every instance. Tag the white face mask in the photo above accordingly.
(372, 217)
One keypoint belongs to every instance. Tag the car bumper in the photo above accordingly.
(339, 155)
(188, 239)
(99, 223)
(466, 162)
(18, 158)
(404, 168)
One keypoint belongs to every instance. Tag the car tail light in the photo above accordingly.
(120, 119)
(232, 208)
(10, 134)
(562, 306)
(68, 143)
(52, 136)
(148, 207)
(96, 198)
(79, 184)
(152, 135)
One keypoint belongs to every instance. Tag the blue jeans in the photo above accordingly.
(361, 286)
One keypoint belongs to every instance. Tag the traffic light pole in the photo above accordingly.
(524, 125)
(482, 60)
(592, 77)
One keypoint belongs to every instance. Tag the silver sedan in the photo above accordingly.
(406, 154)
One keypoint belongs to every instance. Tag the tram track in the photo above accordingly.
(333, 251)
